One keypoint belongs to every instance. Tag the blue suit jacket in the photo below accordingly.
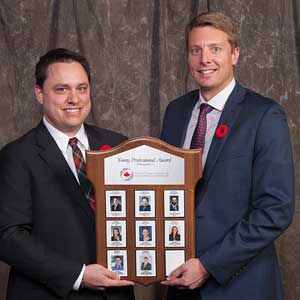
(245, 198)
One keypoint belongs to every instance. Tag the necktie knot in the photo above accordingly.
(205, 108)
(73, 141)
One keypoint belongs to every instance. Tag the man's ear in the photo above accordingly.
(39, 94)
(235, 55)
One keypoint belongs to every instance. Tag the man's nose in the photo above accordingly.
(73, 96)
(205, 56)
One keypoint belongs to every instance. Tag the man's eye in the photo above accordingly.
(216, 49)
(82, 89)
(61, 90)
(195, 51)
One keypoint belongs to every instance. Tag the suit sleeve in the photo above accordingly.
(19, 248)
(271, 201)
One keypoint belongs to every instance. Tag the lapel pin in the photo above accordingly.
(105, 147)
(221, 131)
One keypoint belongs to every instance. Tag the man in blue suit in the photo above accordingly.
(245, 198)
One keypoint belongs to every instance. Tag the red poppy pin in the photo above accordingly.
(105, 147)
(221, 131)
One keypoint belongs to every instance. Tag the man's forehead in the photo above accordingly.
(67, 71)
(208, 35)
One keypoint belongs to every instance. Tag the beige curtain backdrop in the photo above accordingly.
(137, 52)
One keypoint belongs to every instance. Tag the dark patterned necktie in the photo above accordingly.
(81, 172)
(198, 138)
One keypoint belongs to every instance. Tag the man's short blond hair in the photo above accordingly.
(217, 20)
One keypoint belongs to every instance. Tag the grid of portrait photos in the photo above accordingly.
(145, 231)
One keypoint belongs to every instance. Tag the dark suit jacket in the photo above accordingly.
(47, 229)
(145, 208)
(116, 208)
(245, 199)
(146, 267)
(174, 207)
(174, 238)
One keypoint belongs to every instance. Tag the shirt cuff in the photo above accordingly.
(77, 283)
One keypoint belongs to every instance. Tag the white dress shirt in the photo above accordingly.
(213, 117)
(62, 141)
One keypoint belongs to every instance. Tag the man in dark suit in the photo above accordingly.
(174, 203)
(145, 206)
(146, 265)
(47, 222)
(116, 206)
(245, 198)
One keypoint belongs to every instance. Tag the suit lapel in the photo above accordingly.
(229, 115)
(185, 116)
(52, 155)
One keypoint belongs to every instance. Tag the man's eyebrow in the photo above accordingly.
(215, 44)
(61, 85)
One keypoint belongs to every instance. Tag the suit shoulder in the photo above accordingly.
(106, 132)
(191, 96)
(260, 100)
(20, 143)
(259, 107)
(109, 137)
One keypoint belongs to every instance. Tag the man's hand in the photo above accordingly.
(189, 275)
(96, 277)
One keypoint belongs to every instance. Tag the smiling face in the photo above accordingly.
(145, 232)
(116, 232)
(174, 229)
(145, 260)
(174, 200)
(211, 59)
(65, 96)
(118, 261)
(144, 201)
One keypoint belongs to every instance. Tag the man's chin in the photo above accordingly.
(205, 87)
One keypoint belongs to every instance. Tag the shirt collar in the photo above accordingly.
(62, 140)
(219, 100)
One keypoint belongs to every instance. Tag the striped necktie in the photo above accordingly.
(81, 172)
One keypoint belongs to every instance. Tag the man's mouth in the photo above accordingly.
(72, 110)
(207, 71)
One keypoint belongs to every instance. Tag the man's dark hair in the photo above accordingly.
(56, 56)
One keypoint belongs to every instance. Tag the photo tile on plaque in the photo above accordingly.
(174, 233)
(117, 261)
(145, 233)
(115, 203)
(145, 263)
(144, 203)
(116, 233)
(174, 258)
(174, 203)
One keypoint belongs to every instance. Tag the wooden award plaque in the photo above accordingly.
(145, 219)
